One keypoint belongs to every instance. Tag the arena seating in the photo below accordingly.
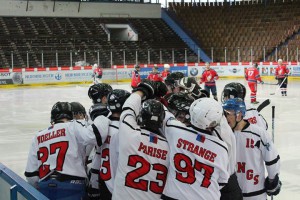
(84, 37)
(242, 26)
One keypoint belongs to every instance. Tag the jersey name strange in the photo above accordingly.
(193, 148)
(152, 151)
(51, 135)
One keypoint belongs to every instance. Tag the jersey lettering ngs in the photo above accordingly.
(143, 166)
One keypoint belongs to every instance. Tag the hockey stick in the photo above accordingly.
(279, 86)
(269, 83)
(263, 105)
(273, 128)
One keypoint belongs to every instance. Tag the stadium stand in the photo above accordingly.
(244, 26)
(30, 37)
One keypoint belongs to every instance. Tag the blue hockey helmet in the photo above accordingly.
(235, 104)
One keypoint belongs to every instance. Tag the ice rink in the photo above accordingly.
(26, 110)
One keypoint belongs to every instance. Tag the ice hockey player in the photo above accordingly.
(172, 82)
(237, 90)
(155, 75)
(79, 113)
(256, 152)
(166, 71)
(198, 160)
(56, 160)
(97, 74)
(281, 74)
(143, 151)
(110, 149)
(209, 77)
(252, 76)
(98, 93)
(135, 77)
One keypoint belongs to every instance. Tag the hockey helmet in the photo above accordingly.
(77, 108)
(173, 79)
(240, 88)
(61, 110)
(97, 91)
(206, 113)
(116, 99)
(236, 104)
(179, 104)
(151, 115)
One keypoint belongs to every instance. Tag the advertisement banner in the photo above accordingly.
(57, 76)
(221, 70)
(10, 78)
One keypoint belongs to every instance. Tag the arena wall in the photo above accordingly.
(76, 9)
(77, 75)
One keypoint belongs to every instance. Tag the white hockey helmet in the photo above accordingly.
(206, 113)
(166, 66)
(95, 65)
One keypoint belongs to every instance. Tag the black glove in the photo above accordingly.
(97, 110)
(276, 78)
(147, 87)
(286, 75)
(160, 89)
(273, 187)
(262, 82)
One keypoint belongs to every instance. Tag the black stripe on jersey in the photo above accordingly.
(272, 162)
(256, 193)
(98, 153)
(195, 132)
(222, 184)
(80, 123)
(114, 126)
(128, 108)
(251, 133)
(129, 124)
(97, 134)
(94, 171)
(217, 133)
(158, 137)
(31, 174)
(164, 197)
(251, 109)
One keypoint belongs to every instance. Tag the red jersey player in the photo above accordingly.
(166, 71)
(252, 76)
(281, 73)
(209, 77)
(155, 75)
(136, 77)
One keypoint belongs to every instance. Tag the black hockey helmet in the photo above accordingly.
(240, 88)
(116, 99)
(190, 85)
(179, 104)
(61, 110)
(77, 108)
(97, 110)
(151, 115)
(97, 91)
(173, 79)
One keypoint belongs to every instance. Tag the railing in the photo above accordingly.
(110, 57)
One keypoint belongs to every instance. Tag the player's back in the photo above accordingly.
(198, 164)
(60, 150)
(143, 162)
(254, 117)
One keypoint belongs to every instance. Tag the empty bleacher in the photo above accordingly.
(37, 41)
(245, 29)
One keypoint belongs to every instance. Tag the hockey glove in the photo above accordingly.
(273, 186)
(97, 110)
(276, 78)
(160, 89)
(147, 87)
(262, 82)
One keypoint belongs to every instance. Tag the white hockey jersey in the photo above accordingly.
(198, 163)
(143, 158)
(108, 150)
(255, 151)
(61, 148)
(254, 117)
(224, 133)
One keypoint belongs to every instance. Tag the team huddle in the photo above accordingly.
(167, 139)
